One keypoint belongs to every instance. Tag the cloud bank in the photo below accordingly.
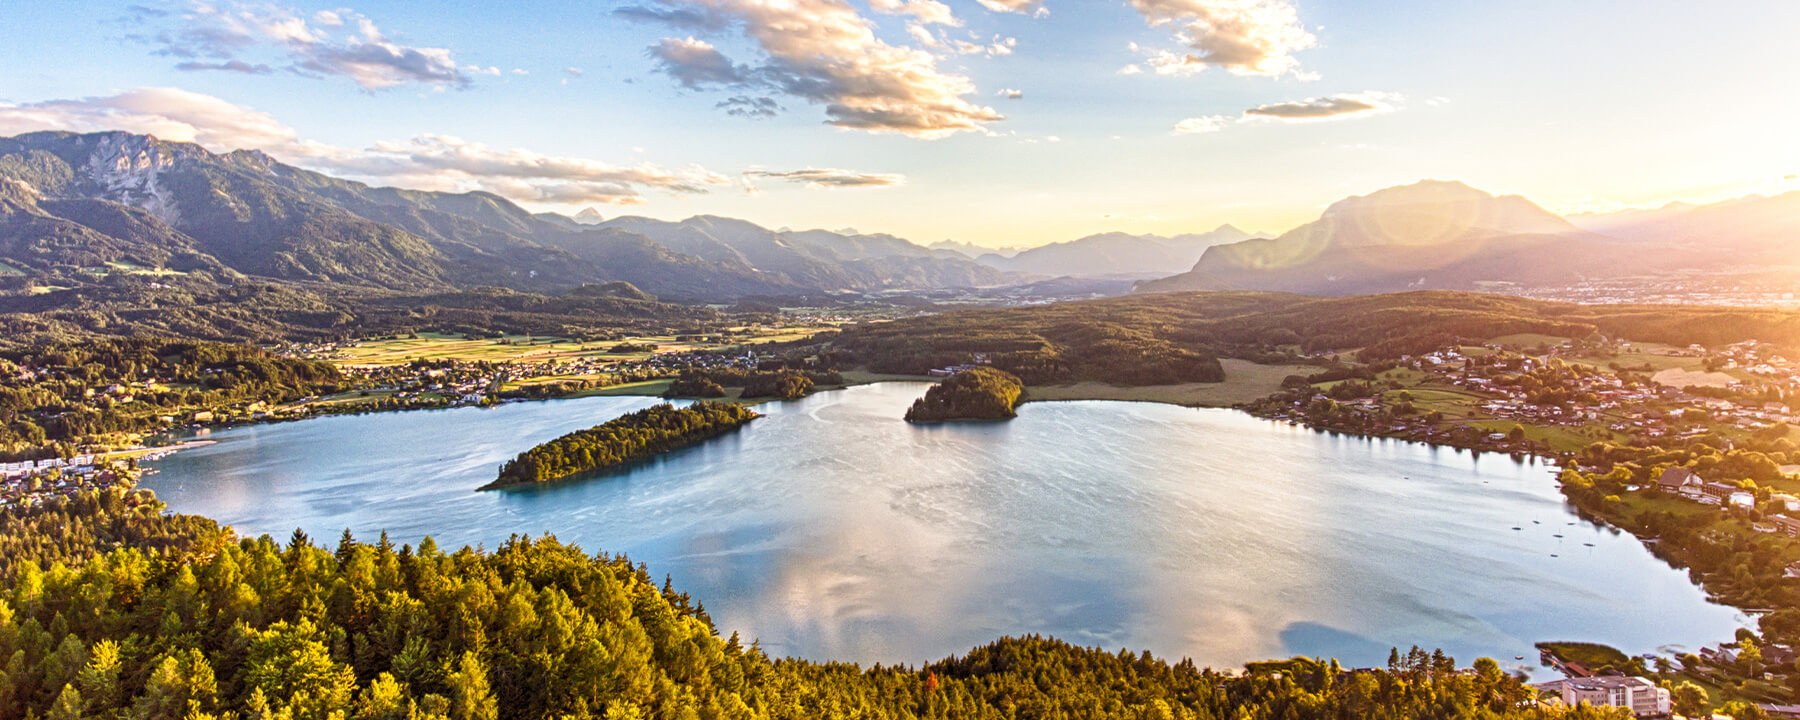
(826, 53)
(829, 178)
(252, 39)
(1244, 37)
(426, 161)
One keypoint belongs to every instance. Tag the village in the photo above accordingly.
(28, 483)
(1552, 399)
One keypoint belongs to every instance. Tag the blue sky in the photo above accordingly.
(1591, 104)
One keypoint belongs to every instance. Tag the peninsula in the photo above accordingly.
(637, 436)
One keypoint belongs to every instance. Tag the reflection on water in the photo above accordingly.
(832, 530)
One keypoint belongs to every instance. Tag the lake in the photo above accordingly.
(833, 530)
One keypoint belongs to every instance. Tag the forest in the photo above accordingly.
(623, 440)
(980, 393)
(54, 396)
(1170, 338)
(784, 384)
(167, 623)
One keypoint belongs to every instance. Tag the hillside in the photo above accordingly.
(814, 259)
(1430, 235)
(1173, 338)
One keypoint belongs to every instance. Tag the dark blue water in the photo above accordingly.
(833, 530)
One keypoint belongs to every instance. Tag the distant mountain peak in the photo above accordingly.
(589, 216)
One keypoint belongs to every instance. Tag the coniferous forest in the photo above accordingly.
(138, 614)
(630, 438)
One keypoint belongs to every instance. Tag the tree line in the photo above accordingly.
(785, 384)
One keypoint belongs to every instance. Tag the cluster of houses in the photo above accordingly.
(473, 382)
(1684, 483)
(80, 464)
(26, 483)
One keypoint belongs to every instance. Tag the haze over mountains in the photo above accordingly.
(1753, 229)
(1116, 254)
(76, 209)
(1447, 235)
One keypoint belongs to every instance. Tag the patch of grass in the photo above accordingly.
(647, 388)
(1560, 439)
(1244, 381)
(1526, 340)
(1683, 377)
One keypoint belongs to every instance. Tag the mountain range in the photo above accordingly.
(1751, 230)
(1447, 235)
(83, 212)
(73, 205)
(1116, 254)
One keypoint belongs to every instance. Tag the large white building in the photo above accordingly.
(1643, 697)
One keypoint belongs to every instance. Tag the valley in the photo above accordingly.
(899, 360)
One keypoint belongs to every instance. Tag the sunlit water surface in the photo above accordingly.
(833, 530)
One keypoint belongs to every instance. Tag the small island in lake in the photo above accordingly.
(981, 393)
(639, 435)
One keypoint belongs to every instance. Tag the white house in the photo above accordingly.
(1643, 697)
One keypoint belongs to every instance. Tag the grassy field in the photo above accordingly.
(1244, 381)
(391, 351)
(1680, 377)
(436, 346)
(126, 268)
(647, 388)
(1527, 340)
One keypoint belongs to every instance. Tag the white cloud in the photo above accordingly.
(212, 35)
(825, 52)
(926, 12)
(168, 113)
(1011, 94)
(1199, 125)
(820, 178)
(696, 63)
(1326, 108)
(1245, 37)
(429, 162)
(1335, 107)
(1033, 7)
(519, 174)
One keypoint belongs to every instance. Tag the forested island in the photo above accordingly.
(630, 438)
(980, 393)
